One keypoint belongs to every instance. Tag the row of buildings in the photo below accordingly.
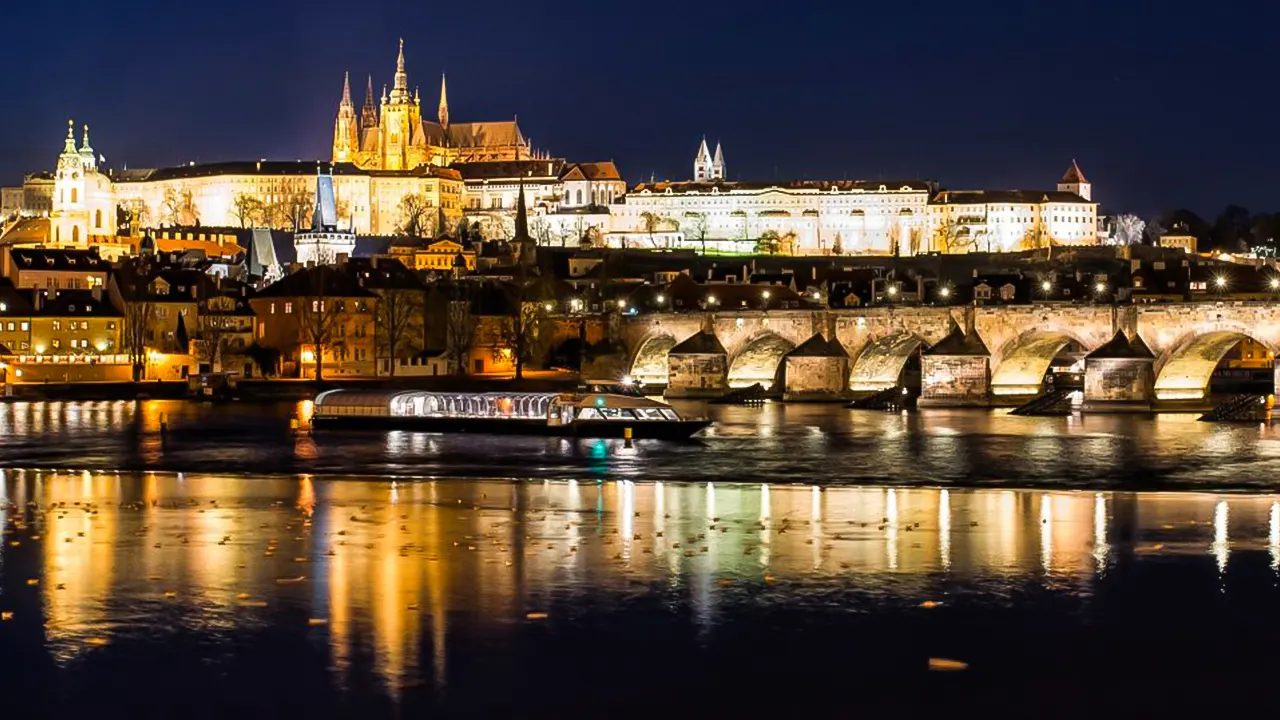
(392, 166)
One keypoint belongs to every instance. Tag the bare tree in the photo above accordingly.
(652, 224)
(248, 210)
(519, 333)
(951, 236)
(394, 315)
(416, 216)
(460, 335)
(698, 227)
(1129, 229)
(137, 329)
(178, 208)
(319, 317)
(215, 333)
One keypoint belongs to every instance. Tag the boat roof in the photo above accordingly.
(383, 398)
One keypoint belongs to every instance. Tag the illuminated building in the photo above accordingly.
(318, 311)
(84, 203)
(325, 243)
(395, 136)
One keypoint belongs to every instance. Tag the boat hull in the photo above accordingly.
(642, 430)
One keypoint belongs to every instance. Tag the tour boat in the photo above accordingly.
(595, 415)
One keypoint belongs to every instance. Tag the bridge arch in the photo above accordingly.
(1184, 371)
(758, 360)
(880, 363)
(649, 366)
(1020, 366)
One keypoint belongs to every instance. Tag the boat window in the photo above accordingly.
(589, 414)
(669, 414)
(650, 413)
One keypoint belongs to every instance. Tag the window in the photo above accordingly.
(74, 195)
(56, 343)
(288, 308)
(26, 326)
(11, 326)
(111, 325)
(982, 292)
(57, 325)
(97, 219)
(84, 324)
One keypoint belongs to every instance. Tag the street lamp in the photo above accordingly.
(1274, 283)
(893, 290)
(660, 298)
(944, 292)
(765, 294)
(1046, 286)
(711, 299)
(548, 307)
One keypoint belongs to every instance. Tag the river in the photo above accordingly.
(796, 559)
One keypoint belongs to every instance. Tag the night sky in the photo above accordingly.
(1164, 104)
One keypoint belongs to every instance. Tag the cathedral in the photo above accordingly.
(393, 135)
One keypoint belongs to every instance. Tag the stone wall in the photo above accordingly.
(694, 376)
(955, 380)
(1116, 384)
(815, 378)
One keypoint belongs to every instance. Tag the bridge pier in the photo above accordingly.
(698, 368)
(816, 370)
(1119, 376)
(956, 372)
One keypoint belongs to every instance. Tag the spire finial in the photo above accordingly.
(368, 92)
(400, 92)
(346, 89)
(70, 145)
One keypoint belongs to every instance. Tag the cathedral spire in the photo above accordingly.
(400, 92)
(369, 112)
(368, 92)
(443, 113)
(346, 89)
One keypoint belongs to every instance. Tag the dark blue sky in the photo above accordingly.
(1165, 104)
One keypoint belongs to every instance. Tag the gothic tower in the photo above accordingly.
(368, 111)
(443, 113)
(399, 117)
(702, 163)
(717, 165)
(345, 132)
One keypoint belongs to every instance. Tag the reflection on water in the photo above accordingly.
(820, 445)
(382, 573)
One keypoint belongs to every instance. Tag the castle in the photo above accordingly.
(393, 135)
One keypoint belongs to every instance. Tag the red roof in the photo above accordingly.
(1073, 175)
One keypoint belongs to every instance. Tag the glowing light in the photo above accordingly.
(548, 307)
(891, 529)
(660, 299)
(1273, 528)
(622, 304)
(308, 356)
(1274, 283)
(944, 528)
(1046, 286)
(18, 372)
(39, 349)
(765, 294)
(1100, 288)
(1046, 532)
(817, 295)
(576, 304)
(1220, 281)
(711, 299)
(893, 290)
(945, 292)
(1100, 546)
(627, 380)
(102, 345)
(1221, 540)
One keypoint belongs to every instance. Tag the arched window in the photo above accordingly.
(75, 234)
(579, 197)
(97, 219)
(73, 195)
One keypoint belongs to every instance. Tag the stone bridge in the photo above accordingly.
(1185, 342)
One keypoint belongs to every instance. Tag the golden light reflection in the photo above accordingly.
(1100, 545)
(1221, 539)
(944, 528)
(389, 580)
(1273, 535)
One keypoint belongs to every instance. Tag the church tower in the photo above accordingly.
(345, 133)
(1074, 181)
(368, 111)
(717, 165)
(399, 117)
(702, 164)
(70, 224)
(443, 113)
